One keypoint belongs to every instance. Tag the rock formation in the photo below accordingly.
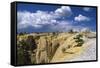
(47, 47)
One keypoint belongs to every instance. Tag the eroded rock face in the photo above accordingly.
(41, 54)
(55, 45)
(46, 49)
(42, 47)
(37, 50)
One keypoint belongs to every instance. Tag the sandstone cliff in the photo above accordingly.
(50, 47)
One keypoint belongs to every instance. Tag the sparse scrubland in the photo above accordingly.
(52, 47)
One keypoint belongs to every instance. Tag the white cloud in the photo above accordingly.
(64, 10)
(61, 26)
(80, 18)
(64, 26)
(86, 9)
(23, 19)
(40, 18)
(26, 19)
(85, 29)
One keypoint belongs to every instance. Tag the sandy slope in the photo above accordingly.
(60, 56)
(89, 52)
(86, 52)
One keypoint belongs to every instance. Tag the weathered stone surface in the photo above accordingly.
(47, 47)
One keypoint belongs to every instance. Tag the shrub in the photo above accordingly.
(79, 40)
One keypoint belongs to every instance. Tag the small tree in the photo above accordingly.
(79, 40)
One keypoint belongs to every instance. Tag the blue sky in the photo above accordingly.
(50, 18)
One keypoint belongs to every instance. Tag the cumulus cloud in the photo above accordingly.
(23, 19)
(26, 19)
(40, 19)
(80, 18)
(52, 20)
(86, 9)
(64, 10)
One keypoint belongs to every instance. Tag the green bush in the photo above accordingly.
(79, 40)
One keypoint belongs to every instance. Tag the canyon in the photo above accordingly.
(53, 47)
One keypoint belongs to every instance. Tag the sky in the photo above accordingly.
(52, 18)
